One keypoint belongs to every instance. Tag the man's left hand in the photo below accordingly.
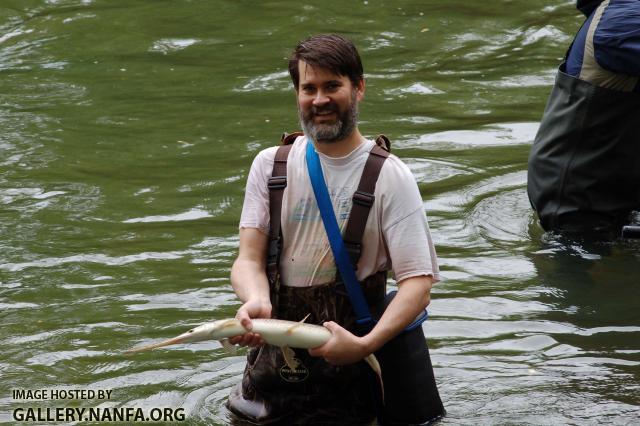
(342, 348)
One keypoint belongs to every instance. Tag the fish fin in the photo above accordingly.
(375, 366)
(296, 325)
(289, 357)
(304, 319)
(229, 323)
(228, 347)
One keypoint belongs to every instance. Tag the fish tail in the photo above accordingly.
(375, 366)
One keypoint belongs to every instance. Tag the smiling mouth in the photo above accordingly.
(324, 114)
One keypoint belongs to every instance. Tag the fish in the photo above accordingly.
(280, 333)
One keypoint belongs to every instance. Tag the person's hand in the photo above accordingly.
(251, 309)
(342, 348)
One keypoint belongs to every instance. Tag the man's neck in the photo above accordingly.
(342, 147)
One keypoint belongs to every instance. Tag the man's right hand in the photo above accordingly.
(250, 283)
(251, 309)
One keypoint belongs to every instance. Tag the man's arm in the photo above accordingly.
(249, 281)
(414, 294)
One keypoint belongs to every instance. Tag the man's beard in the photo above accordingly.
(325, 132)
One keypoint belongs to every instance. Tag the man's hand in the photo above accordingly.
(251, 309)
(342, 348)
(345, 348)
(250, 283)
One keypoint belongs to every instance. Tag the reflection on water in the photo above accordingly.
(127, 133)
(593, 286)
(563, 347)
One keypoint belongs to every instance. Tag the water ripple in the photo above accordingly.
(493, 135)
(168, 45)
(193, 214)
(93, 258)
(542, 79)
(414, 89)
(452, 330)
(486, 308)
(51, 358)
(189, 300)
(277, 81)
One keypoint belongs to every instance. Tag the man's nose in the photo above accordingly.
(320, 99)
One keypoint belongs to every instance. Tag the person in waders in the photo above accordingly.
(286, 268)
(584, 166)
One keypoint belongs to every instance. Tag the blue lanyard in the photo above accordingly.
(343, 262)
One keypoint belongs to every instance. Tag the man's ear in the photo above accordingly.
(360, 89)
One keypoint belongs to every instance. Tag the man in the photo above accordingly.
(332, 384)
(584, 167)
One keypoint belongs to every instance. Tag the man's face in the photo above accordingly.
(327, 103)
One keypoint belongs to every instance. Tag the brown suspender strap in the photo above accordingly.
(276, 184)
(363, 199)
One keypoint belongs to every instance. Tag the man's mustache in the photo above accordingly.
(324, 109)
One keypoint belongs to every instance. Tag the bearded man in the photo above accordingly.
(331, 385)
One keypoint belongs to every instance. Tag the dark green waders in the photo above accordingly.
(584, 166)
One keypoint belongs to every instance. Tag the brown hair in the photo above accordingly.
(329, 51)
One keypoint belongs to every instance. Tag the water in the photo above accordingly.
(128, 128)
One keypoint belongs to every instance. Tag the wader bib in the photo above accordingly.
(584, 166)
(318, 392)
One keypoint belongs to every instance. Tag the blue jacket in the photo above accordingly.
(616, 39)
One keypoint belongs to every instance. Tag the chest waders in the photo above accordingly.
(317, 392)
(584, 166)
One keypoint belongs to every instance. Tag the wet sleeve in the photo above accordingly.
(255, 210)
(411, 248)
(617, 39)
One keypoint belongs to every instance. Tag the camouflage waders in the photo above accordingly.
(316, 392)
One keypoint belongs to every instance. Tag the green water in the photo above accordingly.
(127, 129)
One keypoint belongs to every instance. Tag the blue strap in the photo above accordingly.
(359, 303)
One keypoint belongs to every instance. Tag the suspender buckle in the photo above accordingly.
(277, 182)
(363, 198)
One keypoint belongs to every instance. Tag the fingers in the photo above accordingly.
(324, 350)
(341, 349)
(316, 351)
(246, 323)
(247, 311)
(251, 339)
(247, 339)
(331, 326)
(245, 320)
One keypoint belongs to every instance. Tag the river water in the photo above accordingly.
(127, 129)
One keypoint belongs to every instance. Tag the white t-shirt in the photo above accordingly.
(396, 235)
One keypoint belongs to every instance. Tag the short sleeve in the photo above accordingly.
(255, 210)
(405, 227)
